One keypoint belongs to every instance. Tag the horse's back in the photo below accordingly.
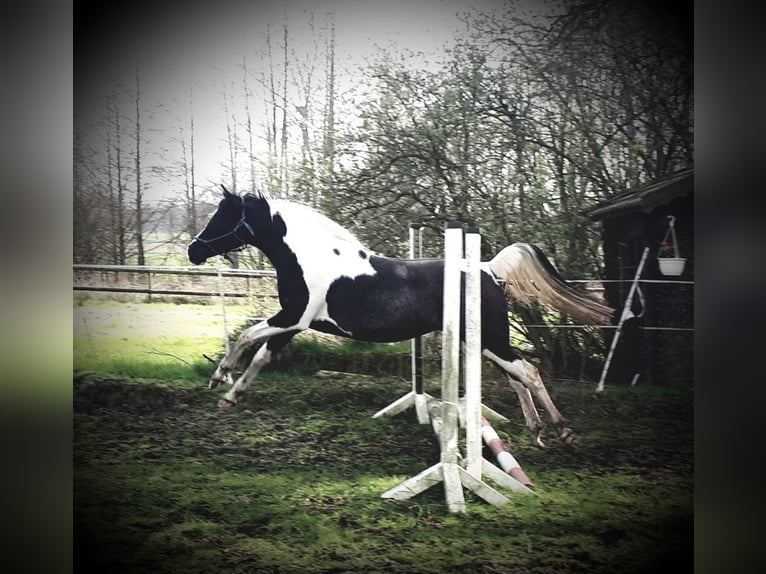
(400, 300)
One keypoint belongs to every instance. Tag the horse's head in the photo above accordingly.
(226, 231)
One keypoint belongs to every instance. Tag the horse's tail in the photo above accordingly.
(530, 277)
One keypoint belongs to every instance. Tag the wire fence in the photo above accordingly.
(251, 295)
(258, 286)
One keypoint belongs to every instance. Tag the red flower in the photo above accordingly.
(666, 248)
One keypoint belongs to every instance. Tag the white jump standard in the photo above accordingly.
(454, 470)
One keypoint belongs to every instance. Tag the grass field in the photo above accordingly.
(290, 480)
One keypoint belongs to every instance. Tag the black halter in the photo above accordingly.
(226, 255)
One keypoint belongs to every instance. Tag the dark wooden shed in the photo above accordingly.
(658, 342)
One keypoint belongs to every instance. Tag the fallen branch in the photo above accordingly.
(164, 354)
(325, 373)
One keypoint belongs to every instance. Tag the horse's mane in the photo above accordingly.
(302, 216)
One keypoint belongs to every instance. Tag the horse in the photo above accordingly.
(330, 282)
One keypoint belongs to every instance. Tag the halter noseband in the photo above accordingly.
(243, 243)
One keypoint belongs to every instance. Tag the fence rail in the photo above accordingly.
(221, 272)
(154, 291)
(149, 270)
(177, 270)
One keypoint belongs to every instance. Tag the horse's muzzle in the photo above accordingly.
(198, 252)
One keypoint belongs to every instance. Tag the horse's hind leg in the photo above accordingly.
(527, 374)
(531, 417)
(261, 358)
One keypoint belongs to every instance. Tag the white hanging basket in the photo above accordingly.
(671, 266)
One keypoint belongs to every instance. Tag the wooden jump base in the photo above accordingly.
(453, 470)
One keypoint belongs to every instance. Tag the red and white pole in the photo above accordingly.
(506, 460)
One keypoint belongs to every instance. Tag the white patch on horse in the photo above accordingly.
(308, 234)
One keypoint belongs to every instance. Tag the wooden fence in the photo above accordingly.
(189, 281)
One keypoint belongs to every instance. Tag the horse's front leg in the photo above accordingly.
(259, 331)
(261, 358)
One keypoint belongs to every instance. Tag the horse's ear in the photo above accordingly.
(226, 192)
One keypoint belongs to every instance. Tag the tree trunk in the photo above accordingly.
(113, 250)
(193, 183)
(121, 257)
(231, 140)
(249, 121)
(328, 144)
(284, 185)
(139, 191)
(271, 123)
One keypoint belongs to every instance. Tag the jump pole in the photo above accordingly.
(504, 458)
(445, 413)
(416, 396)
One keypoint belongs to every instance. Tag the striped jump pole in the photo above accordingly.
(504, 458)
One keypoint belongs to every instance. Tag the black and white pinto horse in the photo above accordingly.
(330, 282)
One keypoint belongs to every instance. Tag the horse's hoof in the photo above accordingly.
(226, 404)
(538, 442)
(567, 436)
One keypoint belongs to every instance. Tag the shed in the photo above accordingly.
(658, 343)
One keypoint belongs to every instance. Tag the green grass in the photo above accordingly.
(154, 340)
(290, 480)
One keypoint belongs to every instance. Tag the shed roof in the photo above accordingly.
(645, 197)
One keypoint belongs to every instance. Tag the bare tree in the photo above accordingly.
(328, 145)
(86, 205)
(139, 190)
(110, 184)
(120, 206)
(283, 165)
(187, 159)
(304, 176)
(231, 137)
(100, 221)
(271, 121)
(249, 121)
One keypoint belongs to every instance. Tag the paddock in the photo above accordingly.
(291, 481)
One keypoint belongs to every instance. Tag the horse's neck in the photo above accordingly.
(311, 222)
(310, 231)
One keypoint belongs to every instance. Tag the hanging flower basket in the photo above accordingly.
(668, 257)
(673, 266)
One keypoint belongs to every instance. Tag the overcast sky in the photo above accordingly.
(177, 45)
